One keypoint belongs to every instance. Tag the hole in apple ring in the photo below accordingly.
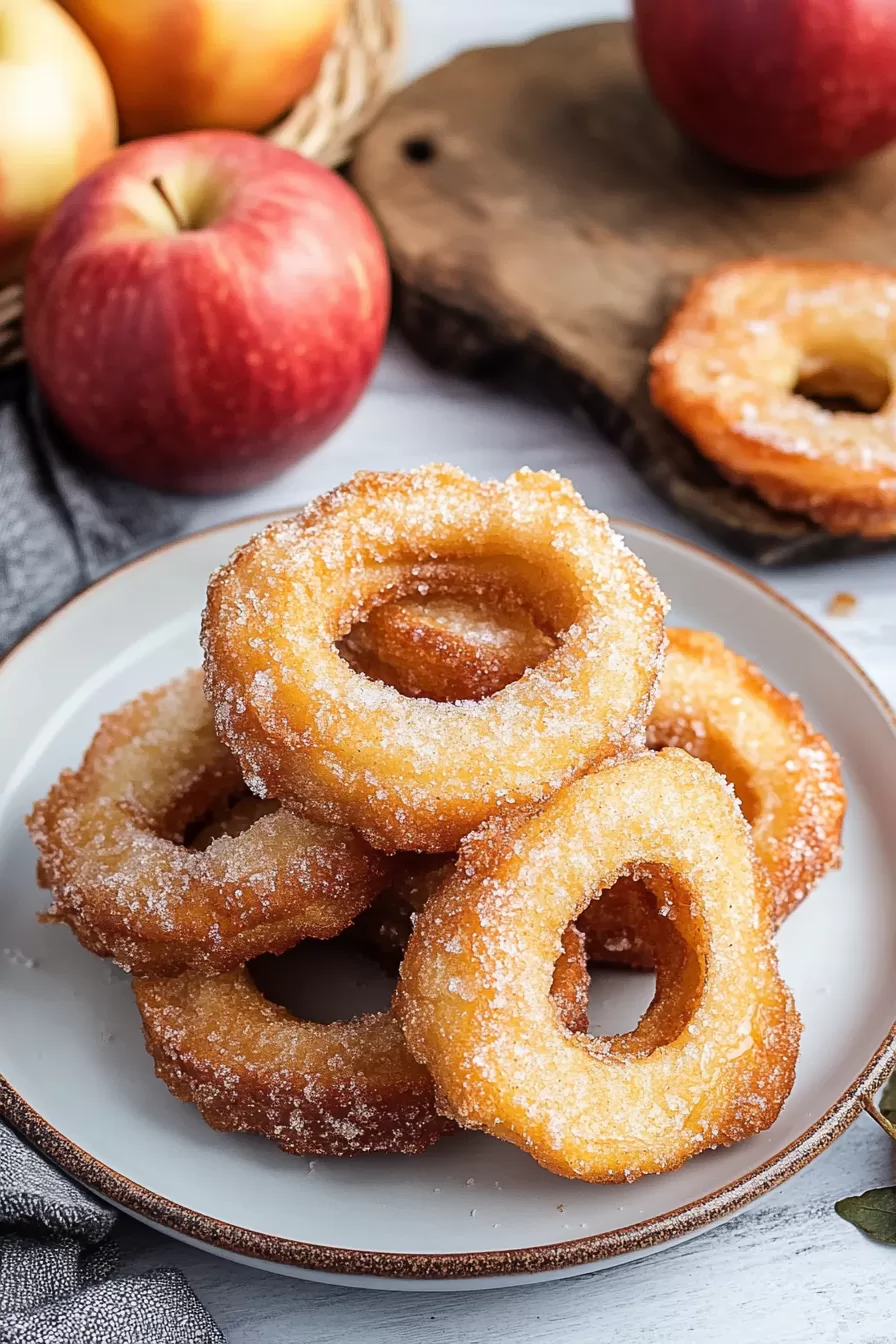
(846, 378)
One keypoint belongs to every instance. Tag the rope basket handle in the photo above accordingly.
(357, 75)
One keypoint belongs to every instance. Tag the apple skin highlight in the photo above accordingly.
(57, 120)
(180, 65)
(204, 338)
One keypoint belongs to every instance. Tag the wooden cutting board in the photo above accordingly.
(544, 216)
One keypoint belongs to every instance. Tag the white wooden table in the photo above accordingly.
(787, 1270)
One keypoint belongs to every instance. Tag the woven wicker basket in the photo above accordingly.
(357, 74)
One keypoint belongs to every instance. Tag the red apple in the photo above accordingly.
(205, 308)
(789, 88)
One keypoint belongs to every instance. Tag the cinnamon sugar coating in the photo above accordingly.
(713, 1059)
(248, 1065)
(747, 335)
(417, 774)
(383, 930)
(720, 707)
(712, 702)
(110, 837)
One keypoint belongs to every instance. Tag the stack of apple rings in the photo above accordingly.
(440, 720)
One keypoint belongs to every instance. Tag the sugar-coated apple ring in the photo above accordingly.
(383, 930)
(712, 702)
(718, 706)
(248, 1065)
(415, 774)
(711, 1063)
(748, 338)
(110, 836)
(334, 1089)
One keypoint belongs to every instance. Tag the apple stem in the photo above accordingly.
(163, 192)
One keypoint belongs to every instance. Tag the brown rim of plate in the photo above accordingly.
(650, 1233)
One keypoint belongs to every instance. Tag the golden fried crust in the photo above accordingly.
(248, 1065)
(414, 774)
(383, 930)
(712, 703)
(713, 1064)
(446, 648)
(720, 707)
(745, 336)
(717, 705)
(571, 982)
(110, 840)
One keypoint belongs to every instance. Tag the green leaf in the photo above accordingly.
(887, 1103)
(874, 1212)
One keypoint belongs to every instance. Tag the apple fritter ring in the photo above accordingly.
(718, 706)
(412, 773)
(712, 703)
(249, 1065)
(383, 930)
(713, 1059)
(110, 836)
(746, 355)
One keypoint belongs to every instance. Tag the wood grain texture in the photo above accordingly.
(543, 216)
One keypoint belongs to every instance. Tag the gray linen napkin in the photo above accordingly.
(63, 520)
(63, 523)
(57, 1263)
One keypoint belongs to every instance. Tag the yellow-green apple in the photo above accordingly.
(205, 308)
(57, 118)
(180, 65)
(789, 88)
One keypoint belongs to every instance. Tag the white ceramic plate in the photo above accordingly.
(471, 1212)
